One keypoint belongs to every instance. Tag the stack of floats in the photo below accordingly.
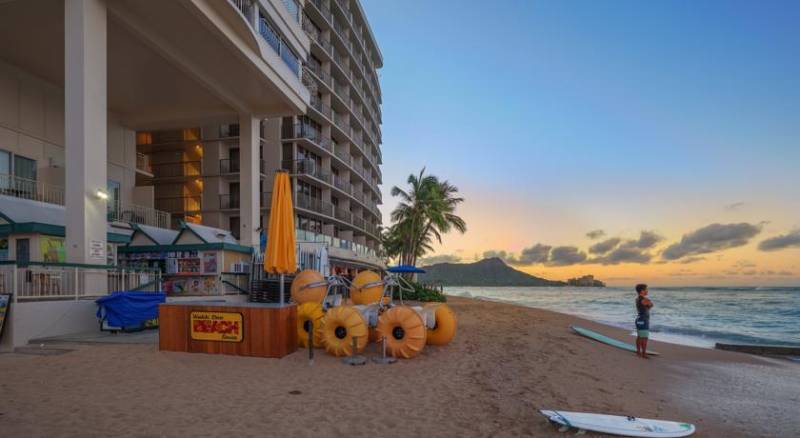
(369, 315)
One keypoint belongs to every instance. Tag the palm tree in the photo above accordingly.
(425, 212)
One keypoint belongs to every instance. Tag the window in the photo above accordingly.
(24, 167)
(5, 162)
(234, 226)
(113, 196)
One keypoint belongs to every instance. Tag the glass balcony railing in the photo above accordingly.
(176, 170)
(229, 166)
(229, 202)
(180, 204)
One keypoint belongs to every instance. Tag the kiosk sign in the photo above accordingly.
(216, 326)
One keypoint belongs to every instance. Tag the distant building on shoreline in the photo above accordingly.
(585, 281)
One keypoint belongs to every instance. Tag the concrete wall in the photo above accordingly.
(49, 318)
(32, 125)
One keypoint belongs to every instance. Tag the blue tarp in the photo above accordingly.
(129, 309)
(405, 269)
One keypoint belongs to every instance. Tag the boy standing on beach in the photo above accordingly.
(643, 306)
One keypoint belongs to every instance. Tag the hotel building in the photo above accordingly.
(332, 150)
(125, 115)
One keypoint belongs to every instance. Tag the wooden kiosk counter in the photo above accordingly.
(242, 329)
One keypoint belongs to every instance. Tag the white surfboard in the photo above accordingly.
(618, 425)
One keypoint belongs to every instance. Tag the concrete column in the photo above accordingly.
(85, 129)
(249, 146)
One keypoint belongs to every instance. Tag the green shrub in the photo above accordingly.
(421, 293)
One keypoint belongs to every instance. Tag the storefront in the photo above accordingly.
(195, 261)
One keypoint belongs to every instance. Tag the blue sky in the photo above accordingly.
(594, 114)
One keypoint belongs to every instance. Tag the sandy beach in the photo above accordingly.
(505, 364)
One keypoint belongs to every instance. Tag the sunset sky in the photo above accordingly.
(677, 119)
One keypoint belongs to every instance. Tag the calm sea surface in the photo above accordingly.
(699, 316)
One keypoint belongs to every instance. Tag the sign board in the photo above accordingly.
(97, 249)
(216, 326)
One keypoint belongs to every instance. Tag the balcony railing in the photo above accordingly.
(317, 71)
(343, 215)
(180, 204)
(324, 11)
(33, 190)
(323, 109)
(302, 130)
(228, 202)
(314, 204)
(276, 42)
(175, 170)
(306, 167)
(294, 9)
(137, 214)
(341, 184)
(229, 166)
(143, 163)
(52, 194)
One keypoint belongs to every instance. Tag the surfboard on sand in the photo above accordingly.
(618, 425)
(606, 340)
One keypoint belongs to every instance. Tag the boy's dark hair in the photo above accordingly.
(640, 287)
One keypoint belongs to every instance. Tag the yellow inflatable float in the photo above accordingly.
(404, 330)
(309, 315)
(367, 288)
(445, 328)
(309, 286)
(339, 327)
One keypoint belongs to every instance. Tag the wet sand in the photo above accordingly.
(505, 363)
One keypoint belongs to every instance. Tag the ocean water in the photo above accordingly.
(697, 316)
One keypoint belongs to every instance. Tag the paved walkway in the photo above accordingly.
(149, 336)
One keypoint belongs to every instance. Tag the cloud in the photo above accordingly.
(605, 245)
(743, 264)
(502, 255)
(565, 256)
(535, 254)
(788, 240)
(692, 259)
(624, 255)
(647, 240)
(441, 258)
(595, 234)
(734, 206)
(711, 238)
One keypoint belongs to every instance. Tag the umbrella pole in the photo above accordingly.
(281, 299)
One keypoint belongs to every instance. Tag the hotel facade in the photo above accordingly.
(133, 116)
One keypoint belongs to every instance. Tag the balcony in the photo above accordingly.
(228, 166)
(136, 214)
(305, 131)
(143, 164)
(294, 9)
(343, 215)
(316, 205)
(52, 194)
(323, 10)
(180, 204)
(342, 185)
(306, 167)
(321, 108)
(177, 170)
(33, 190)
(229, 202)
(276, 42)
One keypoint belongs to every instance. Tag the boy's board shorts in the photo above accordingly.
(642, 328)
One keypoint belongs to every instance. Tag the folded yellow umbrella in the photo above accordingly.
(280, 257)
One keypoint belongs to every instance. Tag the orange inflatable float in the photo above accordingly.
(404, 330)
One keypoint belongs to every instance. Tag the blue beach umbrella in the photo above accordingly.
(405, 269)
